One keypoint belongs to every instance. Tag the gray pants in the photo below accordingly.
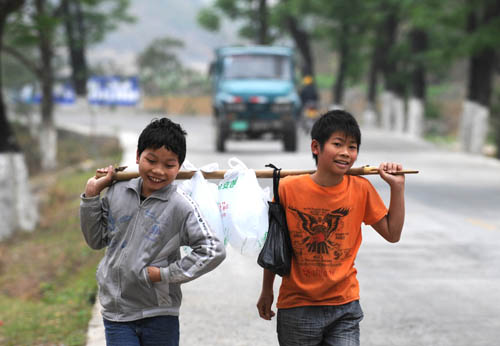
(336, 325)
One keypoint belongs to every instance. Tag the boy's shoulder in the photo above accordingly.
(291, 180)
(357, 179)
(360, 185)
(118, 187)
(295, 183)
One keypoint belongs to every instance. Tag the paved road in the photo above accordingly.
(439, 286)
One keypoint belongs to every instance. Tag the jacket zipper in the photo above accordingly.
(118, 264)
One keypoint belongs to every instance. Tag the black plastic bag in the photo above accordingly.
(276, 254)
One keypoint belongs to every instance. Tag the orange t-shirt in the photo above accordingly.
(325, 229)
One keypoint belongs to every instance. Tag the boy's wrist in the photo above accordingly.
(267, 288)
(86, 197)
(90, 194)
(91, 190)
(266, 292)
(154, 274)
(397, 186)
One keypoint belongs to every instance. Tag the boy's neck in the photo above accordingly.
(326, 179)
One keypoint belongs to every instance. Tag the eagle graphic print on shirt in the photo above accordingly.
(321, 230)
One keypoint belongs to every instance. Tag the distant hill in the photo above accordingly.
(160, 18)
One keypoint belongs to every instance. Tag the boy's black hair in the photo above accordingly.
(163, 133)
(335, 121)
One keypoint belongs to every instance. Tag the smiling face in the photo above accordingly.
(157, 168)
(337, 155)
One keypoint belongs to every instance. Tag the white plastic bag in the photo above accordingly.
(205, 195)
(244, 209)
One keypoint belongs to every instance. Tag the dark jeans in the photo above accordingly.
(320, 325)
(153, 331)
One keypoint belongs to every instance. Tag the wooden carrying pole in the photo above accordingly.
(268, 173)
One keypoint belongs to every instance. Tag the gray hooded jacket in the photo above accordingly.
(149, 234)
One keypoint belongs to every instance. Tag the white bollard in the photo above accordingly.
(7, 201)
(48, 146)
(369, 117)
(26, 206)
(415, 117)
(473, 127)
(18, 209)
(479, 130)
(386, 110)
(465, 125)
(398, 113)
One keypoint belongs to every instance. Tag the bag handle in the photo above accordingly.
(276, 181)
(234, 162)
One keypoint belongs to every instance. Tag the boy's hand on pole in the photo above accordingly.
(387, 170)
(96, 185)
(264, 306)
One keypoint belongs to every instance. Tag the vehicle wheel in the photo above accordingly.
(290, 138)
(220, 141)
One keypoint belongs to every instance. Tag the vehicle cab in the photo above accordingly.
(254, 93)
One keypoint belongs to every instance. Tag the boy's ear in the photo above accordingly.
(137, 156)
(315, 147)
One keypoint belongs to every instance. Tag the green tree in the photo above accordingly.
(483, 30)
(431, 42)
(404, 39)
(86, 23)
(289, 17)
(7, 138)
(343, 25)
(253, 13)
(382, 37)
(471, 32)
(482, 42)
(160, 70)
(14, 175)
(38, 24)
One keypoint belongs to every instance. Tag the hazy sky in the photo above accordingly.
(160, 18)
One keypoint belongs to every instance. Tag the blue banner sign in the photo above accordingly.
(113, 91)
(105, 91)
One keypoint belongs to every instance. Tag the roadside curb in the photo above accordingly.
(95, 330)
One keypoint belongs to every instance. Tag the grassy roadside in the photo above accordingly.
(47, 277)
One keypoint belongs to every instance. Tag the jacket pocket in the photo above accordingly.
(135, 291)
(108, 286)
(162, 288)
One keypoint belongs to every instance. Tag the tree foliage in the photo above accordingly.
(83, 23)
(7, 139)
(343, 26)
(253, 15)
(161, 72)
(159, 67)
(38, 25)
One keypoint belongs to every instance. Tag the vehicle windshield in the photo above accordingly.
(257, 66)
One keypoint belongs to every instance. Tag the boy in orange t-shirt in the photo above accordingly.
(318, 302)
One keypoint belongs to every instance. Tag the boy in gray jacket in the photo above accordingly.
(143, 223)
